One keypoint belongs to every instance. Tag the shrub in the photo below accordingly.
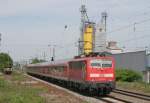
(127, 75)
(5, 61)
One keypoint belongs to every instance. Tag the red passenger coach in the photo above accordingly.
(92, 74)
(57, 70)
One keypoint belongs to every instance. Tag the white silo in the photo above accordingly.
(100, 34)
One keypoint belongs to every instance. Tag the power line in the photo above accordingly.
(141, 14)
(141, 37)
(128, 26)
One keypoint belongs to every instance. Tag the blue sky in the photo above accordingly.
(29, 26)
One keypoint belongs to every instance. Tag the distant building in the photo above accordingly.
(137, 60)
(131, 60)
(113, 48)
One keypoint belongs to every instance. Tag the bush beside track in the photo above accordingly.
(127, 75)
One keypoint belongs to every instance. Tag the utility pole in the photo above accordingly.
(0, 40)
(8, 60)
(54, 52)
(134, 30)
(44, 56)
(104, 20)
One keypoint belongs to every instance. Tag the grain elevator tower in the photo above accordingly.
(100, 34)
(87, 36)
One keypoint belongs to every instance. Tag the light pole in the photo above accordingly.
(53, 52)
(49, 50)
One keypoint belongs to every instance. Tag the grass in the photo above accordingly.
(13, 90)
(136, 86)
(14, 93)
(17, 76)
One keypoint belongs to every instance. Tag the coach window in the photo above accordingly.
(62, 69)
(55, 69)
(50, 69)
(58, 69)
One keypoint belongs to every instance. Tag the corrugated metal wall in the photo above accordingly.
(148, 60)
(131, 60)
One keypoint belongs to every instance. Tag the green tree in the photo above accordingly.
(36, 60)
(5, 61)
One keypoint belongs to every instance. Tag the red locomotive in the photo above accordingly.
(94, 74)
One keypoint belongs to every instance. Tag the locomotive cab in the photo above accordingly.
(100, 73)
(100, 70)
(93, 74)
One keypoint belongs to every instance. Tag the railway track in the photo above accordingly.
(123, 96)
(130, 97)
(133, 94)
(112, 98)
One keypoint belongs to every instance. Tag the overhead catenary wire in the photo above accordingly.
(141, 37)
(135, 30)
(128, 26)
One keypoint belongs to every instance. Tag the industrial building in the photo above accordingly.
(137, 60)
(113, 48)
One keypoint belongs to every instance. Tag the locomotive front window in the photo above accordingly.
(106, 63)
(99, 63)
(96, 63)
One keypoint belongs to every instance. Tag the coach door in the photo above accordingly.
(77, 70)
(83, 67)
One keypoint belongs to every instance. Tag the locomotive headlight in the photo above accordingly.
(101, 75)
(94, 75)
(108, 75)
